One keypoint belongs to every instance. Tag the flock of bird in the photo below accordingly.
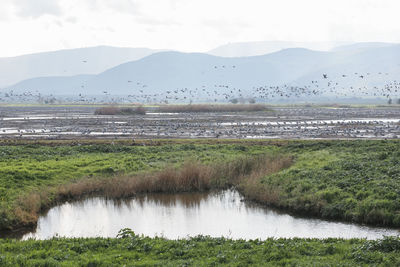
(346, 85)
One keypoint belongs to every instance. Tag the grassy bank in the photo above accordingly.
(347, 180)
(356, 181)
(133, 250)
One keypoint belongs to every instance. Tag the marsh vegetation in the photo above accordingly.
(355, 181)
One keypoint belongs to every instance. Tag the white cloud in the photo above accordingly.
(190, 25)
(124, 6)
(71, 19)
(37, 8)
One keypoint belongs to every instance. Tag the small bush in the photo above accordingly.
(120, 111)
(213, 108)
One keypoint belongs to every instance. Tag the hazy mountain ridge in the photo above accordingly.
(172, 71)
(362, 46)
(91, 60)
(377, 66)
(245, 49)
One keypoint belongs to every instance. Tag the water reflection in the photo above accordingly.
(189, 214)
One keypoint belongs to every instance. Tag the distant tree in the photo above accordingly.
(252, 101)
(234, 101)
(398, 101)
(389, 101)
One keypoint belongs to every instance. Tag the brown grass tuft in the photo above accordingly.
(253, 188)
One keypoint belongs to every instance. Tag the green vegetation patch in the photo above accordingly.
(134, 250)
(350, 180)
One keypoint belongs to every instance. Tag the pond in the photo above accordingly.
(189, 214)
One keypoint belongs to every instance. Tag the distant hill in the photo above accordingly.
(364, 69)
(361, 46)
(246, 49)
(91, 60)
(171, 70)
(203, 76)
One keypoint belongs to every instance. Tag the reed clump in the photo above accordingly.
(214, 108)
(252, 188)
(191, 176)
(112, 110)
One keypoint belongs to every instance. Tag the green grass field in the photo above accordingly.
(349, 180)
(133, 250)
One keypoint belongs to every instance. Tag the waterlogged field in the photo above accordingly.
(199, 121)
(355, 181)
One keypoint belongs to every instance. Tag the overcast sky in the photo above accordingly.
(28, 26)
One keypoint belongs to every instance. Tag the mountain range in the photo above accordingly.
(246, 49)
(347, 70)
(91, 60)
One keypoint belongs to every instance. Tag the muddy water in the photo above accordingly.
(190, 214)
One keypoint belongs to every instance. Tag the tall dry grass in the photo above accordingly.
(214, 108)
(252, 188)
(245, 173)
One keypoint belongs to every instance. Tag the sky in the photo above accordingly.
(30, 26)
